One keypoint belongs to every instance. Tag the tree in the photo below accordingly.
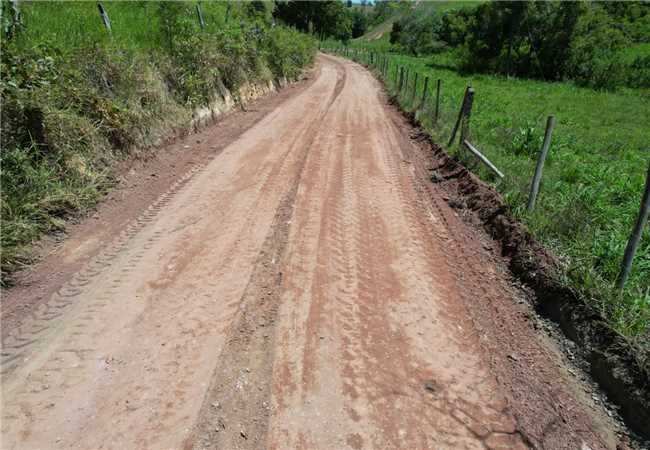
(325, 18)
(421, 33)
(395, 32)
(595, 58)
(359, 23)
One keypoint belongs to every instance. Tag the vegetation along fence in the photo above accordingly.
(425, 97)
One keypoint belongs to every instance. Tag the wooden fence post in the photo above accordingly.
(104, 15)
(537, 178)
(435, 117)
(424, 92)
(401, 79)
(460, 117)
(406, 79)
(415, 87)
(202, 22)
(635, 237)
(15, 21)
(464, 129)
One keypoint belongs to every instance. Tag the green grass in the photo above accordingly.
(593, 178)
(135, 25)
(76, 98)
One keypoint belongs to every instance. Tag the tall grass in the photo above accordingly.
(135, 25)
(593, 178)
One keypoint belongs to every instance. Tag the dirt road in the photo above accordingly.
(306, 287)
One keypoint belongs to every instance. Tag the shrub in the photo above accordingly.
(290, 50)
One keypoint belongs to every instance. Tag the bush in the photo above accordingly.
(291, 51)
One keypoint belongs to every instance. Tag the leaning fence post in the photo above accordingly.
(415, 87)
(460, 117)
(424, 92)
(635, 237)
(537, 178)
(104, 15)
(467, 112)
(202, 22)
(435, 117)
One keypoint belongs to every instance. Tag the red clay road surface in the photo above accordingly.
(303, 286)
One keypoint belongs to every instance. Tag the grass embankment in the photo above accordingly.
(593, 178)
(76, 98)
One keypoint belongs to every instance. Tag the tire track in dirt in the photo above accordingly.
(377, 345)
(125, 364)
(17, 344)
(350, 304)
(236, 409)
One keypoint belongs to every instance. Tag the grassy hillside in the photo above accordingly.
(76, 98)
(593, 178)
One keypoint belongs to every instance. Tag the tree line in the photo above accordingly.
(326, 19)
(597, 44)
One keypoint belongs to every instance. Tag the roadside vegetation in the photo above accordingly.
(590, 72)
(77, 97)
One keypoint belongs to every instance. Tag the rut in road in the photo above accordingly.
(307, 288)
